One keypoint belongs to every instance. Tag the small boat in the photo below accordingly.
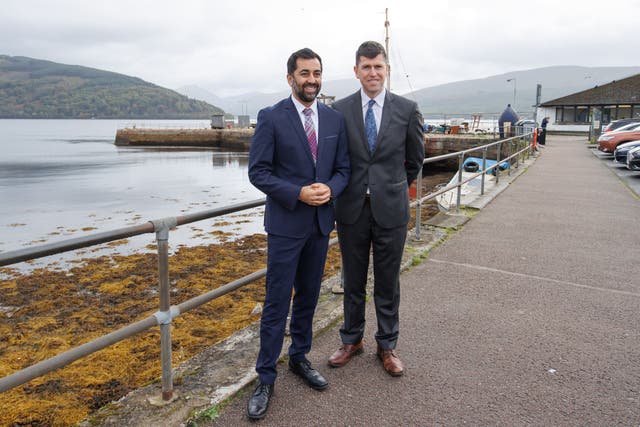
(470, 190)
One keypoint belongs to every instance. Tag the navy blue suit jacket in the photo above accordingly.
(281, 163)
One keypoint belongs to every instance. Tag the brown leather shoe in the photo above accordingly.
(391, 362)
(345, 353)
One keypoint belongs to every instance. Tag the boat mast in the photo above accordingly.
(386, 45)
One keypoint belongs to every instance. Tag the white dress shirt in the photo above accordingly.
(377, 107)
(314, 107)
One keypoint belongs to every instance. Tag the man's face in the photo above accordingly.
(306, 80)
(372, 73)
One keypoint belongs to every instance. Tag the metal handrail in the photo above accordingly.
(460, 155)
(162, 317)
(13, 257)
(167, 312)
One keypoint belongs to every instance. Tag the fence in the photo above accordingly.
(520, 146)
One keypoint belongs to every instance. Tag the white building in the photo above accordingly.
(589, 109)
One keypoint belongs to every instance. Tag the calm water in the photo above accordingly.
(58, 177)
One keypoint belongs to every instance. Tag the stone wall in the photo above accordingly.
(234, 139)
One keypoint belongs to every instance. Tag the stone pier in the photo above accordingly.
(234, 139)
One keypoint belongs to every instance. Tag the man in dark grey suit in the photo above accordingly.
(386, 150)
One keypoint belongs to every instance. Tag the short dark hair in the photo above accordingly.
(304, 53)
(370, 49)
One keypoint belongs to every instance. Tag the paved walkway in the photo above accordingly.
(528, 316)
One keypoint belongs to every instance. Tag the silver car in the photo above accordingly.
(633, 159)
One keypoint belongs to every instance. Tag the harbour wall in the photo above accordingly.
(440, 144)
(233, 139)
(240, 140)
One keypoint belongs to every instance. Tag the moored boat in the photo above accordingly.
(472, 189)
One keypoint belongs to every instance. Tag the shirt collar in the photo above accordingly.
(300, 107)
(379, 99)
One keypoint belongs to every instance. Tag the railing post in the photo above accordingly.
(497, 168)
(511, 143)
(459, 196)
(419, 205)
(484, 166)
(162, 237)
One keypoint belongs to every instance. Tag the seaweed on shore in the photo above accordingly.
(48, 312)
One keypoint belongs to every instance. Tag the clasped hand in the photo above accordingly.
(315, 194)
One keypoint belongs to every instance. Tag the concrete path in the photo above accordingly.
(530, 315)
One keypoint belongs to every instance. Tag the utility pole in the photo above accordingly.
(386, 46)
(514, 91)
(538, 95)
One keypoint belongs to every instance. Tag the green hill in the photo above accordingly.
(32, 88)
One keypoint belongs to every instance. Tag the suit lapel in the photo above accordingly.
(322, 126)
(356, 114)
(296, 123)
(386, 117)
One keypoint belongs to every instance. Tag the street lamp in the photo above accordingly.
(514, 90)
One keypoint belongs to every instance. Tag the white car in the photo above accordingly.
(629, 126)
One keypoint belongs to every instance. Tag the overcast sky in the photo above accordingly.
(231, 47)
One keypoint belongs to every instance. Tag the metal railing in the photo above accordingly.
(520, 145)
(166, 313)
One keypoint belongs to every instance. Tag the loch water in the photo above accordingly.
(66, 178)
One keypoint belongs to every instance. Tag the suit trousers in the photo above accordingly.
(356, 242)
(292, 264)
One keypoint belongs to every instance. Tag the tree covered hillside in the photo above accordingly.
(32, 88)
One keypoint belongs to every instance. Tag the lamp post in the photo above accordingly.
(514, 91)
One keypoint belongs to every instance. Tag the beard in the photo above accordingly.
(302, 95)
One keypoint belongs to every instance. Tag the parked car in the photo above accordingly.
(607, 142)
(525, 126)
(628, 126)
(633, 159)
(620, 153)
(619, 123)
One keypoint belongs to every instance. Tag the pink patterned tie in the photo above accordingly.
(310, 130)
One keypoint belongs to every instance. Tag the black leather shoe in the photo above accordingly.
(259, 401)
(312, 377)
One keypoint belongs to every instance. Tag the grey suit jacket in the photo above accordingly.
(393, 166)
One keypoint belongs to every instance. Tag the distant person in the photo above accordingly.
(299, 159)
(386, 148)
(542, 138)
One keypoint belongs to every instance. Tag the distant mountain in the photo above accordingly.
(251, 103)
(491, 95)
(488, 96)
(33, 88)
(196, 92)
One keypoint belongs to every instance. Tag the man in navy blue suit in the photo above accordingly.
(299, 159)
